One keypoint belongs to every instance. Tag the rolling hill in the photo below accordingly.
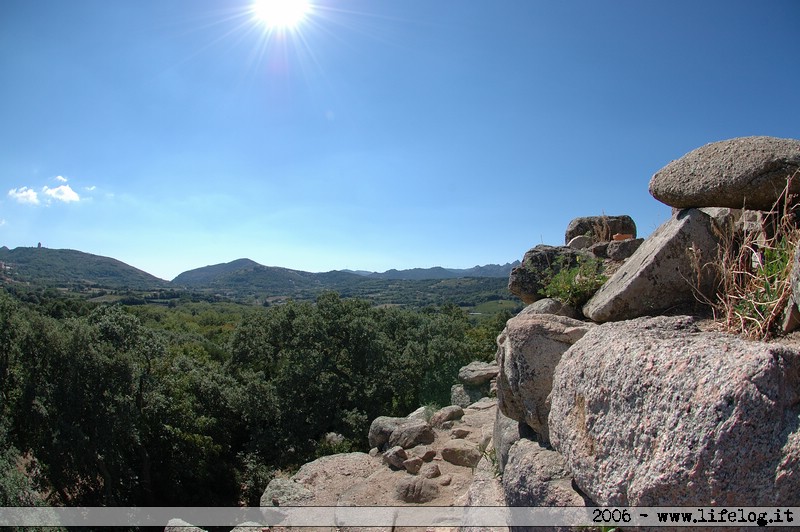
(71, 268)
(247, 280)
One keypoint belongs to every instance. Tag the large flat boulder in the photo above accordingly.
(742, 172)
(529, 348)
(659, 275)
(653, 412)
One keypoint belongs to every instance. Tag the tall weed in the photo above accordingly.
(753, 270)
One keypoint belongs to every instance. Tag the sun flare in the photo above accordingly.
(281, 14)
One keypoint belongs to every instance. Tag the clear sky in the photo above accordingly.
(375, 134)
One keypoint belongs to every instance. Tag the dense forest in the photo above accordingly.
(201, 403)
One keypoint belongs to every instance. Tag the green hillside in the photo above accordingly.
(246, 281)
(68, 268)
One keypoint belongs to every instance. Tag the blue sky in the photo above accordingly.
(377, 134)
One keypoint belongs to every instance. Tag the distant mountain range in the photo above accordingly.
(245, 278)
(490, 270)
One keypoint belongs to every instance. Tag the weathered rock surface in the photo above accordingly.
(463, 396)
(249, 526)
(535, 476)
(600, 228)
(622, 249)
(408, 435)
(791, 320)
(395, 457)
(413, 464)
(742, 172)
(477, 373)
(580, 242)
(179, 525)
(527, 280)
(659, 274)
(448, 413)
(416, 490)
(529, 348)
(391, 431)
(551, 306)
(653, 412)
(430, 471)
(506, 433)
(486, 490)
(381, 429)
(462, 453)
(284, 492)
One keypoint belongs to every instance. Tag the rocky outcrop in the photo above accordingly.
(527, 280)
(660, 274)
(653, 412)
(438, 473)
(600, 228)
(742, 172)
(529, 348)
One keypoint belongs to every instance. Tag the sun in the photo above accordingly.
(281, 14)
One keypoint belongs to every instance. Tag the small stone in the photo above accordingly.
(461, 453)
(416, 490)
(430, 471)
(448, 413)
(413, 464)
(460, 433)
(395, 457)
(424, 452)
(445, 480)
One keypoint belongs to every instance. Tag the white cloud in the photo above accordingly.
(63, 193)
(61, 178)
(24, 195)
(91, 188)
(2, 222)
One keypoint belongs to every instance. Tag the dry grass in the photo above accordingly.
(601, 230)
(753, 270)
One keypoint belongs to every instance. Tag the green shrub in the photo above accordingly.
(574, 285)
